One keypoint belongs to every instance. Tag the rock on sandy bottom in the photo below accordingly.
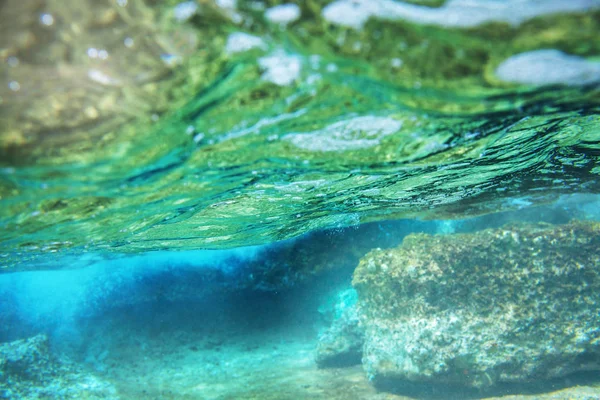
(341, 345)
(28, 370)
(513, 305)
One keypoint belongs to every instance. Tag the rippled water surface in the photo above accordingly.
(313, 199)
(130, 126)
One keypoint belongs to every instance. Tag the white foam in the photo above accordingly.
(100, 77)
(226, 4)
(548, 67)
(185, 10)
(280, 68)
(239, 42)
(229, 7)
(454, 13)
(283, 14)
(263, 122)
(352, 134)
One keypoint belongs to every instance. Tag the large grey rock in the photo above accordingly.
(510, 305)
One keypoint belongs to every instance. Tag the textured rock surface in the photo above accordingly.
(342, 343)
(28, 370)
(510, 305)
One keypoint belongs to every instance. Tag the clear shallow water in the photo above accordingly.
(240, 323)
(163, 156)
(146, 132)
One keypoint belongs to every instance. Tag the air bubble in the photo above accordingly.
(92, 52)
(12, 61)
(14, 86)
(46, 19)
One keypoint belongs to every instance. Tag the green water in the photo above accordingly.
(174, 141)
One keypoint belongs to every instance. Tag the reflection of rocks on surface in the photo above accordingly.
(125, 123)
(77, 70)
(510, 305)
(29, 371)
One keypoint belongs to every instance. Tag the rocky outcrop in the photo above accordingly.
(342, 343)
(509, 305)
(28, 370)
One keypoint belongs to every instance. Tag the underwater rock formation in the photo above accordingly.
(341, 344)
(508, 305)
(28, 370)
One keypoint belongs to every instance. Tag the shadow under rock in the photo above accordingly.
(429, 391)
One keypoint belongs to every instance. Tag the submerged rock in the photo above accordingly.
(510, 305)
(28, 370)
(341, 344)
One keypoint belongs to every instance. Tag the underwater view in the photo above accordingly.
(301, 199)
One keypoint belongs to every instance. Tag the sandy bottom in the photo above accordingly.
(265, 367)
(245, 346)
(262, 365)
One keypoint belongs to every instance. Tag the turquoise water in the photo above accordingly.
(229, 199)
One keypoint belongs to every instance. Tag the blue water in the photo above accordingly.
(225, 305)
(324, 199)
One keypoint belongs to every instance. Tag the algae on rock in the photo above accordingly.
(508, 305)
(29, 370)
